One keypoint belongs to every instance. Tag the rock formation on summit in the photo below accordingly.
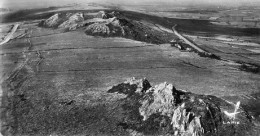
(108, 27)
(111, 24)
(164, 110)
(53, 21)
(98, 29)
(72, 21)
(123, 27)
(60, 20)
(103, 15)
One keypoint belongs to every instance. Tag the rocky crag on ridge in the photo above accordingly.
(105, 24)
(164, 110)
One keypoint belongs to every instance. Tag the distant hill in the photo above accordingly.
(108, 24)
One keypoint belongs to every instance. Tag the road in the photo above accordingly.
(187, 41)
(9, 36)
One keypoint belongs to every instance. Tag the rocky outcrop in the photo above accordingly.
(164, 110)
(68, 21)
(98, 29)
(103, 15)
(53, 21)
(122, 27)
(108, 27)
(72, 22)
(111, 24)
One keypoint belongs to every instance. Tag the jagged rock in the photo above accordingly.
(123, 27)
(114, 14)
(186, 123)
(103, 15)
(164, 110)
(71, 23)
(53, 21)
(161, 95)
(105, 24)
(98, 29)
(131, 86)
(109, 27)
(105, 27)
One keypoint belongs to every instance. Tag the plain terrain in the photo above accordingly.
(56, 82)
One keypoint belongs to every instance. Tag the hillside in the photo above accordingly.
(69, 71)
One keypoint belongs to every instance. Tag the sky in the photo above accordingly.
(47, 3)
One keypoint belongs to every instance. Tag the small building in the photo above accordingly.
(179, 43)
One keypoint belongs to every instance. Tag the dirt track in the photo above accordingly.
(187, 41)
(9, 36)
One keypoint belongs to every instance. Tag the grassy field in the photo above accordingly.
(56, 82)
(59, 80)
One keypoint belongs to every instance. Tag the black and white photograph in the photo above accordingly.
(129, 68)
